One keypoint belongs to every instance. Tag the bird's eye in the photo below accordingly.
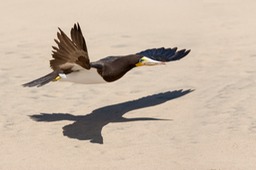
(141, 60)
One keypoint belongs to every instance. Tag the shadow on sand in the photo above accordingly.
(89, 126)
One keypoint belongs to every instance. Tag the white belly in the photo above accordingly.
(84, 77)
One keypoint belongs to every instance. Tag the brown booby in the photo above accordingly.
(71, 61)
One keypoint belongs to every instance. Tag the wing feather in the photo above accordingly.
(77, 37)
(72, 51)
(164, 54)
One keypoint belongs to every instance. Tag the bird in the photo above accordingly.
(70, 61)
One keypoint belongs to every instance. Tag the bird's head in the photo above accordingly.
(145, 61)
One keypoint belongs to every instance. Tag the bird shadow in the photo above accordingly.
(89, 126)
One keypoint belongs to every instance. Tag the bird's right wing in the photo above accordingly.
(70, 52)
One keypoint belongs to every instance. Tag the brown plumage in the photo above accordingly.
(70, 51)
(70, 61)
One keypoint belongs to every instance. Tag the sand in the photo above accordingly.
(197, 113)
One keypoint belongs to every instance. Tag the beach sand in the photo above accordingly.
(196, 113)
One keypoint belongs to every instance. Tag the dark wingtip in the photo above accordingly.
(76, 26)
(180, 54)
(187, 52)
(175, 48)
(164, 54)
(60, 29)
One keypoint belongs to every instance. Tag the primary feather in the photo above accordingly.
(164, 54)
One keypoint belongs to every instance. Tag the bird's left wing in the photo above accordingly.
(164, 54)
(70, 51)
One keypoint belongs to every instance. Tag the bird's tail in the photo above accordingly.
(53, 76)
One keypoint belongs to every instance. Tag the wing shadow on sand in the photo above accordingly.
(89, 126)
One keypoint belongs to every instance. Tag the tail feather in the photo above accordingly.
(42, 80)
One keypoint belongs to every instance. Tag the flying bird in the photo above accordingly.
(70, 61)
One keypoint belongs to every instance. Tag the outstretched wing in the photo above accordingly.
(70, 51)
(164, 54)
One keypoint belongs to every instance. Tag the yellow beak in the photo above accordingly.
(145, 61)
(139, 64)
